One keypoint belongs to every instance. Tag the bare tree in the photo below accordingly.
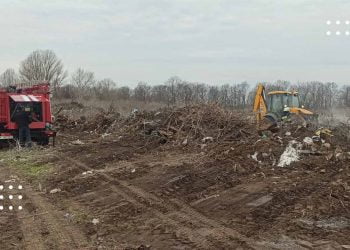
(213, 94)
(83, 80)
(123, 93)
(142, 92)
(172, 84)
(103, 88)
(9, 77)
(43, 65)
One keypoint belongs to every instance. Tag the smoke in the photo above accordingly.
(335, 117)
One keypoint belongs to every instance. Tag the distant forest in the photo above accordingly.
(44, 65)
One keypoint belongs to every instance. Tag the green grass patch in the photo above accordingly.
(34, 170)
(26, 163)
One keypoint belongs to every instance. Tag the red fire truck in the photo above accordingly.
(34, 99)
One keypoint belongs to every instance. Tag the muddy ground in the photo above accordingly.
(188, 178)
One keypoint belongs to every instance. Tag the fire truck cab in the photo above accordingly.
(34, 100)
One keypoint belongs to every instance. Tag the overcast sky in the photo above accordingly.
(212, 41)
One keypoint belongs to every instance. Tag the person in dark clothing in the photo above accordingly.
(23, 119)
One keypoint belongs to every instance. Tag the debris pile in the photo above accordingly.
(205, 123)
(220, 133)
(99, 123)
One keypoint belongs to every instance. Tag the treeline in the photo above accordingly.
(44, 65)
(315, 95)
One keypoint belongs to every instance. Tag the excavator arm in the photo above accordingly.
(260, 106)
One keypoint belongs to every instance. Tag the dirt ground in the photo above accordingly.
(189, 178)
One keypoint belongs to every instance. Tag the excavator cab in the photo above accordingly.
(278, 101)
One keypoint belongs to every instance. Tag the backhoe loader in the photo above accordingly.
(281, 106)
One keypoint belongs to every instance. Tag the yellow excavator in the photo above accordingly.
(281, 107)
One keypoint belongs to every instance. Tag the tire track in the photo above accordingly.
(199, 240)
(65, 234)
(167, 210)
(42, 227)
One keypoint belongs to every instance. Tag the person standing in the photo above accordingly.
(23, 120)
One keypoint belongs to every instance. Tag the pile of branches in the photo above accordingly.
(192, 122)
(99, 123)
(63, 122)
(102, 122)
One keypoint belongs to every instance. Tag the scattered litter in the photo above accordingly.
(261, 201)
(77, 142)
(134, 113)
(185, 142)
(133, 170)
(56, 190)
(316, 138)
(205, 139)
(105, 135)
(290, 154)
(288, 133)
(69, 216)
(95, 221)
(308, 141)
(324, 131)
(87, 172)
(254, 156)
